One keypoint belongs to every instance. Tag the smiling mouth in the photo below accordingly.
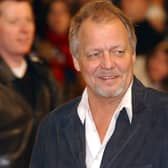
(109, 77)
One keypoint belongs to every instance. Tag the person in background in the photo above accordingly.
(152, 70)
(27, 89)
(117, 122)
(38, 7)
(156, 15)
(54, 46)
(147, 35)
(76, 4)
(166, 9)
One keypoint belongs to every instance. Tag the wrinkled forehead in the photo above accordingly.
(102, 16)
(100, 22)
(90, 24)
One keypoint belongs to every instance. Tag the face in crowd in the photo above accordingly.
(58, 17)
(104, 50)
(16, 27)
(157, 63)
(134, 9)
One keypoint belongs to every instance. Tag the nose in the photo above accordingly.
(25, 27)
(108, 62)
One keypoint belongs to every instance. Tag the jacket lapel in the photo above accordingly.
(127, 134)
(74, 133)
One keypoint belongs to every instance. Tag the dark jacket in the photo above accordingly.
(16, 112)
(60, 141)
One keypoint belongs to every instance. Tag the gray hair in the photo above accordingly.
(99, 11)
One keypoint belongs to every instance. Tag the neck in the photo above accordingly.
(13, 61)
(102, 110)
(100, 104)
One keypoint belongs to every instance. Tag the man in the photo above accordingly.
(27, 89)
(117, 123)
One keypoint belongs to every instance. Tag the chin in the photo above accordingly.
(108, 94)
(23, 52)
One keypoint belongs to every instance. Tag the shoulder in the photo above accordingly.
(156, 98)
(67, 109)
(40, 68)
(150, 98)
(36, 61)
(62, 113)
(147, 94)
(151, 107)
(157, 102)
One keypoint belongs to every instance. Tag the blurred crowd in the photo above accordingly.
(150, 18)
(45, 77)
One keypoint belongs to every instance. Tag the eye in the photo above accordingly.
(94, 54)
(118, 52)
(13, 21)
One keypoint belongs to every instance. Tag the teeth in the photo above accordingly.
(108, 77)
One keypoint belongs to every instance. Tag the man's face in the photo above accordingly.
(105, 59)
(16, 28)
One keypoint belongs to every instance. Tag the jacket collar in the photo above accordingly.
(74, 130)
(74, 134)
(128, 136)
(6, 75)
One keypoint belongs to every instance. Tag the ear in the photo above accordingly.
(134, 58)
(76, 64)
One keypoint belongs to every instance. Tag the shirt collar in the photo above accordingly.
(126, 103)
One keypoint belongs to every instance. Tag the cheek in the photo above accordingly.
(6, 36)
(32, 29)
(163, 69)
(5, 31)
(12, 34)
(88, 70)
(125, 67)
